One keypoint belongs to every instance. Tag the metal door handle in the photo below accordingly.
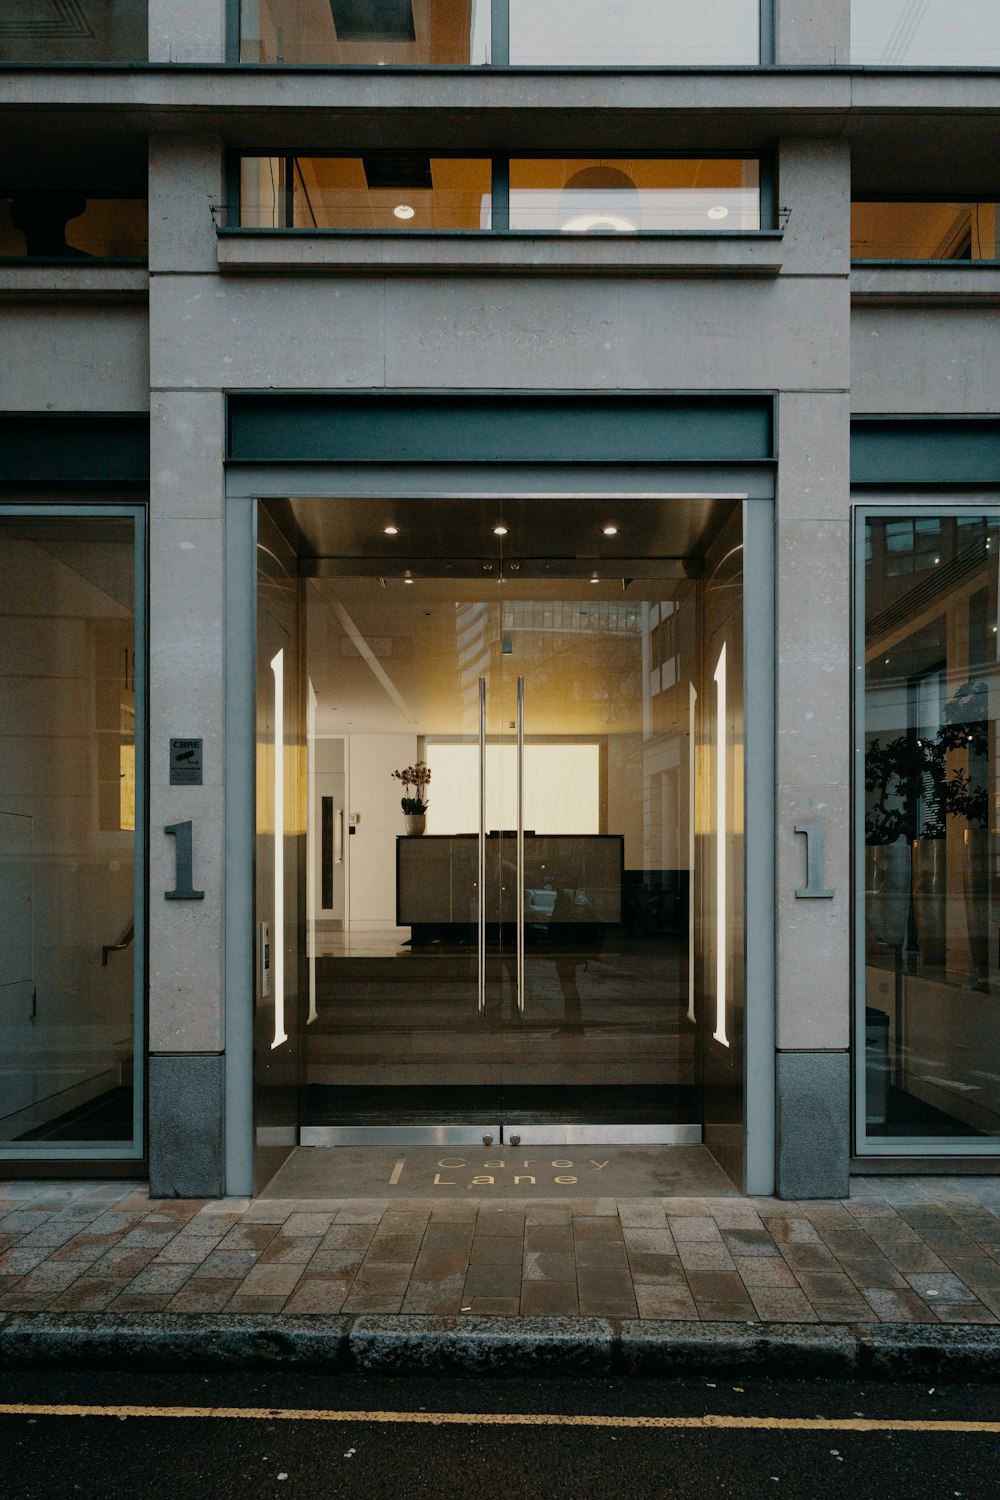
(519, 892)
(481, 885)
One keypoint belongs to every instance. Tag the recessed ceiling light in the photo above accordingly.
(391, 530)
(718, 212)
(599, 223)
(595, 579)
(499, 531)
(404, 211)
(611, 531)
(407, 580)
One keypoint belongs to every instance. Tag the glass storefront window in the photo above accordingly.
(71, 225)
(602, 195)
(398, 191)
(71, 835)
(923, 231)
(931, 34)
(928, 1037)
(408, 191)
(366, 32)
(634, 33)
(32, 31)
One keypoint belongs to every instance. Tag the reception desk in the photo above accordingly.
(568, 879)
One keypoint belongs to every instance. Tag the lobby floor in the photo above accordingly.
(898, 1250)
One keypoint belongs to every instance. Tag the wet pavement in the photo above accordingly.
(899, 1250)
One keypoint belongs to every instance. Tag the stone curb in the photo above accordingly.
(494, 1346)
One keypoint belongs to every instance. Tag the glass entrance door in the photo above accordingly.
(526, 960)
(405, 943)
(598, 668)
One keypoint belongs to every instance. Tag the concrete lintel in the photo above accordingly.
(73, 283)
(969, 284)
(248, 251)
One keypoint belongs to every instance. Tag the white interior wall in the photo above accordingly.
(377, 818)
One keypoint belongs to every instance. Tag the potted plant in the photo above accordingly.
(415, 780)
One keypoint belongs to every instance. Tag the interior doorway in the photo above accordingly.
(553, 953)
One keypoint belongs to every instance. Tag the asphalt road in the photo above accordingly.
(190, 1455)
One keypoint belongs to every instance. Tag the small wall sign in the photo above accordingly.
(183, 838)
(185, 762)
(815, 888)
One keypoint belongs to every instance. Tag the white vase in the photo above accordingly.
(415, 824)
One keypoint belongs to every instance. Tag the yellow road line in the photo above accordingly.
(500, 1419)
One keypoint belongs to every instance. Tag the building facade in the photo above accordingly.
(582, 419)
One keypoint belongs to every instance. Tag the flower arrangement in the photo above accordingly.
(418, 777)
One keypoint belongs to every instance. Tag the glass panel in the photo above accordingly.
(631, 902)
(635, 33)
(100, 31)
(930, 34)
(932, 922)
(401, 1031)
(68, 832)
(72, 226)
(608, 195)
(605, 1034)
(923, 231)
(366, 32)
(400, 191)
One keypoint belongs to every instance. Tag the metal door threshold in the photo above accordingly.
(506, 1135)
(601, 1135)
(399, 1135)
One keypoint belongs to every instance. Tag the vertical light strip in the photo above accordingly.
(311, 850)
(692, 701)
(278, 935)
(721, 757)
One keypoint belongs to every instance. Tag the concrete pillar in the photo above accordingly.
(186, 1024)
(813, 675)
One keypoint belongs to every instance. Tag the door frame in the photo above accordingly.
(249, 484)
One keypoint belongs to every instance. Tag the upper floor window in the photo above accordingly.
(71, 225)
(372, 33)
(927, 230)
(73, 31)
(463, 33)
(634, 33)
(584, 195)
(925, 33)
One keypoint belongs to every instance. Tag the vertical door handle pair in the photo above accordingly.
(519, 891)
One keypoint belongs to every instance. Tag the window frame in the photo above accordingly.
(26, 1152)
(880, 505)
(115, 195)
(500, 50)
(500, 197)
(895, 261)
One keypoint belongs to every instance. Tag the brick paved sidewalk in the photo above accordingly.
(899, 1250)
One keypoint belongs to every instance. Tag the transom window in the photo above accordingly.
(925, 33)
(928, 229)
(72, 225)
(579, 195)
(533, 33)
